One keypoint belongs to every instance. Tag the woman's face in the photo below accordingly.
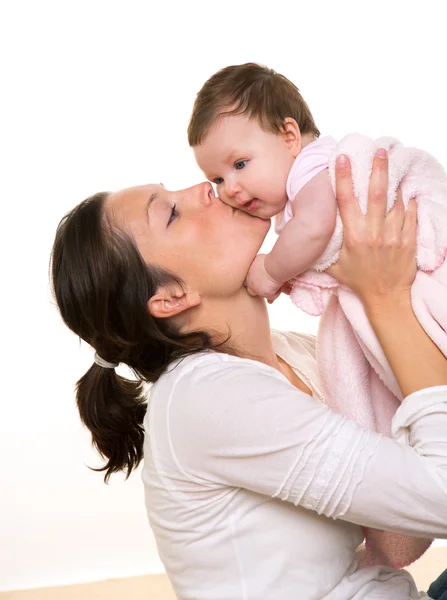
(191, 233)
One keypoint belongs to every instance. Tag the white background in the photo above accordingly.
(96, 96)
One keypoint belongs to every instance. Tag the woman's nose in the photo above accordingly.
(200, 194)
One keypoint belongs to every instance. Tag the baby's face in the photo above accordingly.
(248, 165)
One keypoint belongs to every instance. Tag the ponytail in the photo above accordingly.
(113, 409)
(102, 286)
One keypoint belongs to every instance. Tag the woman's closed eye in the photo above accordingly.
(173, 214)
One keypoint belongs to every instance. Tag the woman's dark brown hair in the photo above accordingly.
(102, 286)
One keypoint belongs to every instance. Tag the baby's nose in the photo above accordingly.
(232, 188)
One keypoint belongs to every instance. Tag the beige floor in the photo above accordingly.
(156, 587)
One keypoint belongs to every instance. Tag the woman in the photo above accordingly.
(254, 489)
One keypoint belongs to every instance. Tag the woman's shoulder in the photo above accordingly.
(194, 384)
(200, 366)
(299, 350)
(290, 345)
(211, 365)
(199, 371)
(292, 342)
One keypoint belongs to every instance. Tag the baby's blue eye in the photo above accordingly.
(218, 180)
(240, 164)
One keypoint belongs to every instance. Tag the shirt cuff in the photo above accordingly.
(442, 389)
(416, 406)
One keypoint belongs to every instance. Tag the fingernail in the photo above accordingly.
(342, 161)
(381, 153)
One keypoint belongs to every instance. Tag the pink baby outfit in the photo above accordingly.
(312, 159)
(360, 382)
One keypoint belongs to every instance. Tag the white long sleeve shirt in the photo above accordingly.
(255, 490)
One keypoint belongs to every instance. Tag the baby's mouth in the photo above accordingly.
(251, 204)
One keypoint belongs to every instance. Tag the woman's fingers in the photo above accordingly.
(409, 228)
(377, 195)
(399, 208)
(378, 191)
(395, 219)
(377, 256)
(347, 203)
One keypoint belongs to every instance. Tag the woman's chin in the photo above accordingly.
(263, 232)
(263, 226)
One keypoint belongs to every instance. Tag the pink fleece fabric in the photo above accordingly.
(356, 377)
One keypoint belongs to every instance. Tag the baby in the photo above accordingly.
(254, 136)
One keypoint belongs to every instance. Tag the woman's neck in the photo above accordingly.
(245, 319)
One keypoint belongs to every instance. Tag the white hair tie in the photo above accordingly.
(103, 363)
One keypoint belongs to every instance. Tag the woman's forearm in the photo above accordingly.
(416, 361)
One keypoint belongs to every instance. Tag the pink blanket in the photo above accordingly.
(356, 377)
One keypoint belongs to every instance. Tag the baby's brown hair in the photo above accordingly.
(253, 89)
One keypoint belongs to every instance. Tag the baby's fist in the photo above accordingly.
(259, 282)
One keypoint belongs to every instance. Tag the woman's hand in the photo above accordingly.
(377, 261)
(378, 257)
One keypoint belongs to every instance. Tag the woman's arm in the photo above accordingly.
(378, 262)
(240, 424)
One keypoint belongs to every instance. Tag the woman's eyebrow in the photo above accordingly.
(151, 198)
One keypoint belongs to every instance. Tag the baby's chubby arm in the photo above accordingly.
(304, 238)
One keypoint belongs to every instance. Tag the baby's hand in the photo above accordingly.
(259, 282)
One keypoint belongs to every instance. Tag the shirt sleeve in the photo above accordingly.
(244, 425)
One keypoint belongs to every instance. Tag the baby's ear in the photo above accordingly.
(292, 136)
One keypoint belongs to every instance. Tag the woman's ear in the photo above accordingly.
(292, 136)
(171, 300)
